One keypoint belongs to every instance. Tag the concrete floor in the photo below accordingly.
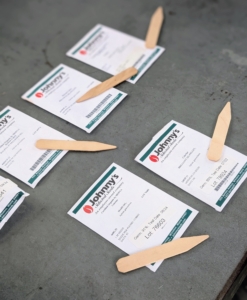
(44, 253)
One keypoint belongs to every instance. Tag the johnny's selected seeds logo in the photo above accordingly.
(88, 209)
(49, 86)
(39, 95)
(83, 52)
(94, 201)
(4, 121)
(162, 146)
(93, 44)
(153, 158)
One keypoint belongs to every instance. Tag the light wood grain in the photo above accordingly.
(108, 84)
(73, 145)
(146, 257)
(154, 28)
(220, 133)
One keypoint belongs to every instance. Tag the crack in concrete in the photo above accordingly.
(45, 50)
(190, 292)
(47, 62)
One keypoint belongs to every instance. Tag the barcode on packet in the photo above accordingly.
(98, 106)
(224, 180)
(39, 161)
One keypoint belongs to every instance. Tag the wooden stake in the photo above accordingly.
(73, 145)
(220, 133)
(154, 28)
(146, 257)
(108, 84)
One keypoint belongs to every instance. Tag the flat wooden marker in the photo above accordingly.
(154, 28)
(73, 145)
(220, 133)
(108, 84)
(149, 256)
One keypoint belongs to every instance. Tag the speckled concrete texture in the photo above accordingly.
(46, 254)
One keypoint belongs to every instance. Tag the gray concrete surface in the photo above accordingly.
(44, 253)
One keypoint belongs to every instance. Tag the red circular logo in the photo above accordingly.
(153, 158)
(83, 52)
(39, 95)
(88, 209)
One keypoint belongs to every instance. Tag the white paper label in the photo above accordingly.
(113, 51)
(18, 154)
(219, 175)
(132, 59)
(59, 90)
(179, 154)
(5, 186)
(131, 213)
(152, 225)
